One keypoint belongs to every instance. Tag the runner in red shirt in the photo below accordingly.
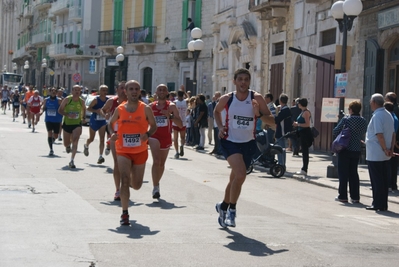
(35, 103)
(160, 142)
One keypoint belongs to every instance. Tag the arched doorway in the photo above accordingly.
(147, 79)
(393, 68)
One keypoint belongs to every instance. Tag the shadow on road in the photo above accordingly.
(118, 203)
(135, 230)
(163, 204)
(66, 168)
(252, 246)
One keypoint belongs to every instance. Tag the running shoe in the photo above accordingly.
(29, 125)
(59, 139)
(13, 119)
(86, 150)
(155, 192)
(68, 149)
(107, 151)
(181, 151)
(51, 153)
(125, 219)
(72, 165)
(176, 155)
(230, 218)
(222, 215)
(117, 196)
(24, 122)
(33, 129)
(100, 160)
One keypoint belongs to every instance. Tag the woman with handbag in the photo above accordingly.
(305, 134)
(348, 158)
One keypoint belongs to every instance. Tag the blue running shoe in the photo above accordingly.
(231, 218)
(222, 215)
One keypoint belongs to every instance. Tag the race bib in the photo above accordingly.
(99, 117)
(162, 121)
(35, 104)
(131, 140)
(74, 115)
(51, 113)
(241, 122)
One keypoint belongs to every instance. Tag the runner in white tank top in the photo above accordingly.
(181, 105)
(237, 138)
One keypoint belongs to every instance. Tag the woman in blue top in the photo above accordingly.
(348, 158)
(305, 134)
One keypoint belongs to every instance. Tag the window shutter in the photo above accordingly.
(198, 12)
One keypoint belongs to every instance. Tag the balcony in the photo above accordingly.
(75, 14)
(268, 5)
(111, 38)
(141, 35)
(59, 7)
(28, 11)
(42, 4)
(57, 50)
(42, 38)
(83, 52)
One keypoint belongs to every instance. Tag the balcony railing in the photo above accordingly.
(75, 13)
(59, 7)
(42, 4)
(141, 35)
(28, 12)
(41, 38)
(262, 5)
(57, 50)
(111, 38)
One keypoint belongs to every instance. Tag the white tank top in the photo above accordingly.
(240, 120)
(182, 108)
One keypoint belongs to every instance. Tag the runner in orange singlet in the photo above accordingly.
(164, 112)
(28, 95)
(136, 123)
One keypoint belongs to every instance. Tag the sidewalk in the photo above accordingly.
(317, 173)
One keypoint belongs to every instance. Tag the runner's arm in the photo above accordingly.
(151, 121)
(261, 110)
(217, 114)
(62, 107)
(176, 116)
(113, 119)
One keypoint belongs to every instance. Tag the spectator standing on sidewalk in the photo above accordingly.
(348, 159)
(284, 125)
(380, 140)
(295, 141)
(210, 105)
(393, 185)
(201, 122)
(236, 131)
(271, 128)
(305, 134)
(216, 149)
(393, 162)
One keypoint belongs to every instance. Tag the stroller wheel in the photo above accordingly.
(277, 170)
(250, 168)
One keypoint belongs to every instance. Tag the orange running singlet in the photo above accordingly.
(130, 126)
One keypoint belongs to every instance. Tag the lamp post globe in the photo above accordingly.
(337, 10)
(119, 50)
(352, 7)
(198, 45)
(120, 57)
(191, 46)
(196, 33)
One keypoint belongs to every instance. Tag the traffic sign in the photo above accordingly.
(76, 77)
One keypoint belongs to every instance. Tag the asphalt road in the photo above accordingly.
(54, 216)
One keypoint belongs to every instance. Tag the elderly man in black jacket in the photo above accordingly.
(284, 125)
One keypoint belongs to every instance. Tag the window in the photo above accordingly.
(278, 49)
(328, 37)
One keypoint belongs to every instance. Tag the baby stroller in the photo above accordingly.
(267, 154)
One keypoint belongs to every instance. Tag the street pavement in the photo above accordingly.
(54, 216)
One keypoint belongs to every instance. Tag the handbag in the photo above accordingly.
(315, 132)
(341, 142)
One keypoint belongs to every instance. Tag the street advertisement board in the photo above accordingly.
(340, 84)
(329, 110)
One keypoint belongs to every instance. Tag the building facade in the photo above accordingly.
(9, 13)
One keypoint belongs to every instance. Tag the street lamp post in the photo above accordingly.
(120, 58)
(14, 67)
(44, 67)
(344, 12)
(195, 46)
(26, 68)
